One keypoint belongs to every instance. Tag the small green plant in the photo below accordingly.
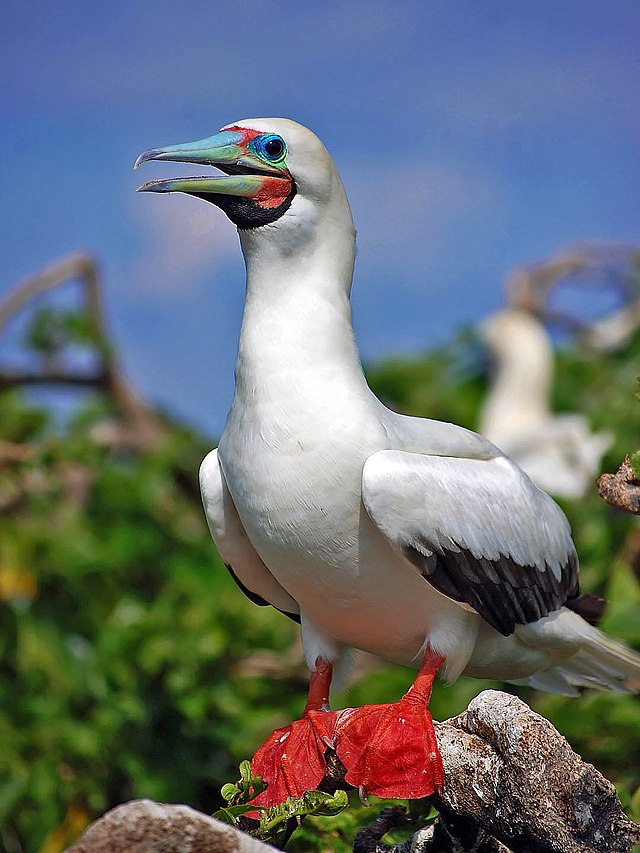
(274, 824)
(634, 458)
(237, 794)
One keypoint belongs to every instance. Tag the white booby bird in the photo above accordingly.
(558, 452)
(410, 538)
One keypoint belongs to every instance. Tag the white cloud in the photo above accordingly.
(183, 242)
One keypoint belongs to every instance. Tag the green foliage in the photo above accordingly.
(273, 821)
(245, 789)
(20, 423)
(313, 823)
(121, 634)
(336, 834)
(274, 824)
(132, 666)
(445, 384)
(51, 329)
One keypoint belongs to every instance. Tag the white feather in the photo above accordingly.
(485, 506)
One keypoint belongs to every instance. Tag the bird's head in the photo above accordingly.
(276, 172)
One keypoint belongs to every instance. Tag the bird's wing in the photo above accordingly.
(232, 542)
(478, 530)
(561, 454)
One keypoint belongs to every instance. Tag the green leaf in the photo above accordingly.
(634, 460)
(634, 811)
(230, 814)
(229, 791)
(320, 803)
(245, 789)
(311, 803)
(245, 771)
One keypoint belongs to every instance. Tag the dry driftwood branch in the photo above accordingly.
(512, 783)
(613, 331)
(621, 489)
(9, 378)
(75, 265)
(529, 288)
(11, 451)
(140, 428)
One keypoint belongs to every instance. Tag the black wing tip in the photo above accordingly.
(590, 607)
(503, 592)
(295, 617)
(252, 596)
(258, 599)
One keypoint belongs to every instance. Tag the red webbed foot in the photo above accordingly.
(292, 759)
(391, 750)
(388, 750)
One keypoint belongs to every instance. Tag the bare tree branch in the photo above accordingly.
(75, 265)
(621, 489)
(438, 837)
(11, 451)
(613, 331)
(12, 378)
(141, 428)
(529, 288)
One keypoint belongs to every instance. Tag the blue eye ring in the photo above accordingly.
(272, 147)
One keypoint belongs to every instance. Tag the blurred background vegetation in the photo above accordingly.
(132, 666)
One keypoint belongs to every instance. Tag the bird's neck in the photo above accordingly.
(519, 397)
(297, 338)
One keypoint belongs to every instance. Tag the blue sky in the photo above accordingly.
(471, 136)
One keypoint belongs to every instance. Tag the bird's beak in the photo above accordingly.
(247, 176)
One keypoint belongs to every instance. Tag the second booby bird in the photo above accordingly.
(558, 451)
(410, 538)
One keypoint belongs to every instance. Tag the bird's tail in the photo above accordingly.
(598, 662)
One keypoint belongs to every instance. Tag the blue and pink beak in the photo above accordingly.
(257, 187)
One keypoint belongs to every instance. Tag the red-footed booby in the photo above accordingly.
(558, 452)
(410, 538)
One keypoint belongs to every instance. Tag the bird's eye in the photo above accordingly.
(273, 147)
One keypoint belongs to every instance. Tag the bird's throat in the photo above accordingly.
(297, 343)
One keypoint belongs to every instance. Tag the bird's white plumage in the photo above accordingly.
(307, 447)
(232, 541)
(481, 505)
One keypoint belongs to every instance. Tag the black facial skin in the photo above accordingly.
(246, 213)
